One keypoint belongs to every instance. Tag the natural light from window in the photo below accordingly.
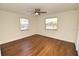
(24, 24)
(51, 23)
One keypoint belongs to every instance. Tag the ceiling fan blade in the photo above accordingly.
(30, 11)
(42, 12)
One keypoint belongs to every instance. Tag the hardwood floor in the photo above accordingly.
(37, 45)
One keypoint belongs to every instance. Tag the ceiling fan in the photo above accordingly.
(38, 12)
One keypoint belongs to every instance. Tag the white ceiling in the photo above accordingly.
(27, 8)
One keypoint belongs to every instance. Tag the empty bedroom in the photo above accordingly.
(39, 29)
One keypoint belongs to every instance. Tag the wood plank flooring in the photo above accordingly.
(38, 45)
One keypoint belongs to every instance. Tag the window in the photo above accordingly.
(24, 24)
(51, 23)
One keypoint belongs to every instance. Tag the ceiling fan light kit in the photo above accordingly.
(36, 13)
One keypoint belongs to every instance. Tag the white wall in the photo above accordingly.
(10, 27)
(78, 32)
(67, 26)
(77, 47)
(77, 41)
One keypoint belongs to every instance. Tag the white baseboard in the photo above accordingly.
(14, 38)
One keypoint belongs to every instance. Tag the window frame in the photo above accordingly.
(26, 24)
(51, 18)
